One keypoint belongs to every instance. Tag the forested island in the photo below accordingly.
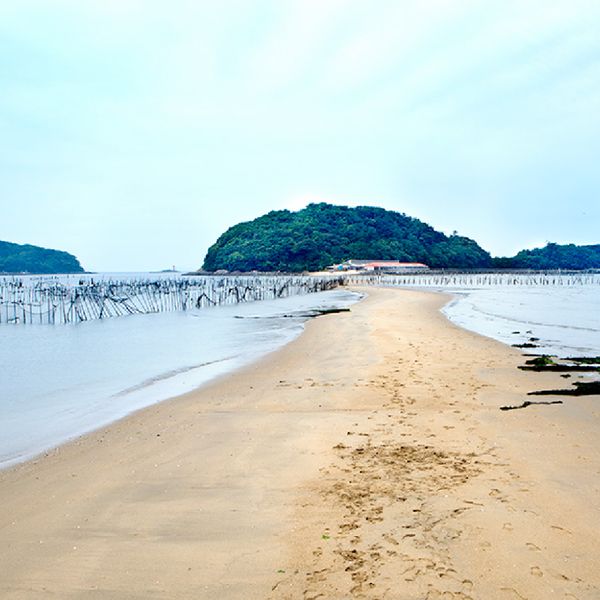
(25, 258)
(324, 234)
(553, 256)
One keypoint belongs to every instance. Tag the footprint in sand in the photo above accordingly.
(560, 529)
(536, 572)
(507, 526)
(498, 495)
(533, 547)
(513, 593)
(390, 539)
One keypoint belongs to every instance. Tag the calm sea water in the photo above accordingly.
(566, 319)
(60, 381)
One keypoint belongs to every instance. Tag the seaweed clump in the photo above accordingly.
(548, 363)
(525, 345)
(582, 388)
(530, 403)
(541, 361)
(585, 360)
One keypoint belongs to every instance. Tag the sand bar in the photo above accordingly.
(367, 459)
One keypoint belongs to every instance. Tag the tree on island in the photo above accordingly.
(324, 234)
(24, 258)
(553, 256)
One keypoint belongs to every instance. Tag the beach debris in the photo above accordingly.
(327, 311)
(530, 403)
(541, 361)
(545, 362)
(586, 360)
(560, 368)
(582, 388)
(317, 312)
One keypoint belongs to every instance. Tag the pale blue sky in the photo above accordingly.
(134, 132)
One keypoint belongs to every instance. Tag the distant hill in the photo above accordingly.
(18, 258)
(323, 234)
(554, 256)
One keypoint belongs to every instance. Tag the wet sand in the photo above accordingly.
(367, 459)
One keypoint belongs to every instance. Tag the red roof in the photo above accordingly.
(393, 263)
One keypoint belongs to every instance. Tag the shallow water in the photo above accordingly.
(565, 319)
(561, 310)
(60, 381)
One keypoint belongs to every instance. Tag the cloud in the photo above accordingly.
(227, 109)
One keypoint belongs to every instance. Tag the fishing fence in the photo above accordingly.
(50, 301)
(475, 280)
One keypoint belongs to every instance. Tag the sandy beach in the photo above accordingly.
(366, 459)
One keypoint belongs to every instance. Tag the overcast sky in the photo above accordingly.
(132, 133)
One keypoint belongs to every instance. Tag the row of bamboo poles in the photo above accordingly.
(51, 301)
(471, 280)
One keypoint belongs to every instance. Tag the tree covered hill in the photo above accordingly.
(554, 256)
(323, 234)
(24, 258)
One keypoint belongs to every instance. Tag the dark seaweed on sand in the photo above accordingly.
(547, 363)
(582, 388)
(525, 345)
(585, 360)
(530, 403)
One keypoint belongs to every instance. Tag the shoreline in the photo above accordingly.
(367, 459)
(122, 396)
